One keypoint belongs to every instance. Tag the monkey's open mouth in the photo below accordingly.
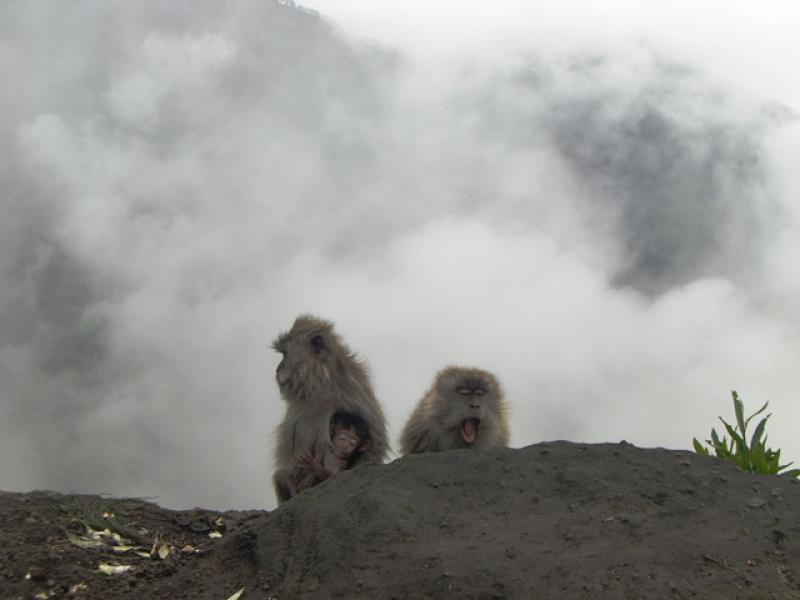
(469, 430)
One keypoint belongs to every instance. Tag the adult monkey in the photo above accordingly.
(464, 408)
(318, 376)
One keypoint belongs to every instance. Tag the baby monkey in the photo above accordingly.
(349, 437)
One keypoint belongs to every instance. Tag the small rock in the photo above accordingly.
(756, 502)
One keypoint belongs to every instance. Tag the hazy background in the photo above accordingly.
(599, 202)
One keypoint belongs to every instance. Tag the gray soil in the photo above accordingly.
(553, 520)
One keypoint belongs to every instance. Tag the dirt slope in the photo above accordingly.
(553, 520)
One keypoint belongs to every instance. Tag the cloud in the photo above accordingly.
(606, 222)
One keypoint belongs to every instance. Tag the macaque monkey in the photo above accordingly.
(319, 376)
(465, 408)
(349, 436)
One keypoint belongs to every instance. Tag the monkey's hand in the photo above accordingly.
(313, 464)
(309, 461)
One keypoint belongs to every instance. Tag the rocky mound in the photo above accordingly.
(553, 520)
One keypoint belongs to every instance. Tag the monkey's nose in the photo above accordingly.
(475, 405)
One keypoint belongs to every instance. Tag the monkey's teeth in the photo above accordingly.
(469, 430)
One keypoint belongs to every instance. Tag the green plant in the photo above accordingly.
(753, 458)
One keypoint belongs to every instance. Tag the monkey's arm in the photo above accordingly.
(417, 438)
(284, 485)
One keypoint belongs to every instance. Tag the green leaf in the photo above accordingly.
(698, 447)
(756, 439)
(755, 414)
(760, 462)
(735, 437)
(738, 408)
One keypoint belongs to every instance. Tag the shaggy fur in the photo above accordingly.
(437, 421)
(317, 377)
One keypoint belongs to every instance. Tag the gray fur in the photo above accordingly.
(317, 376)
(435, 423)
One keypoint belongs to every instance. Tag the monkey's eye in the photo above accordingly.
(480, 392)
(464, 391)
(318, 344)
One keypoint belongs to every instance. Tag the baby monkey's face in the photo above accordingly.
(345, 440)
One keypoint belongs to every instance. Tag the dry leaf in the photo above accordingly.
(163, 551)
(113, 569)
(83, 542)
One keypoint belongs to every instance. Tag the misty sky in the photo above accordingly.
(599, 202)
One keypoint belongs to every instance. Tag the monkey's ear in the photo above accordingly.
(364, 446)
(318, 344)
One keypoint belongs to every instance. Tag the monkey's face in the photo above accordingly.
(308, 358)
(345, 441)
(468, 405)
(471, 394)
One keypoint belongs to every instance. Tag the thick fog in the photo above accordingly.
(601, 207)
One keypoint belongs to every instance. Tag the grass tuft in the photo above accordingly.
(753, 456)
